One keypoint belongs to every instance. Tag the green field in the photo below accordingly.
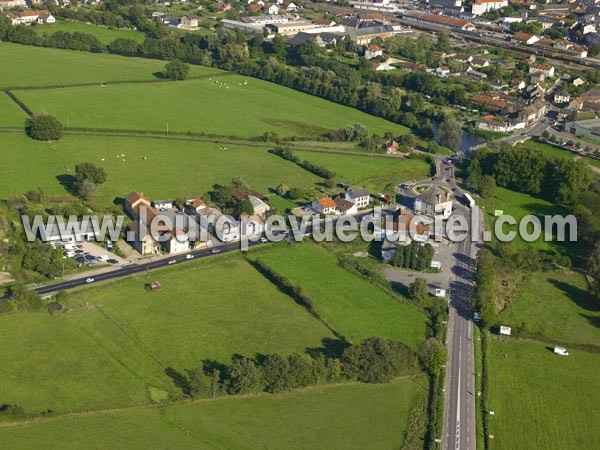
(340, 417)
(173, 168)
(564, 312)
(548, 149)
(541, 400)
(26, 65)
(11, 115)
(353, 306)
(221, 105)
(116, 343)
(104, 34)
(373, 172)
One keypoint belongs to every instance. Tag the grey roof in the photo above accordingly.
(354, 33)
(361, 192)
(434, 195)
(191, 16)
(303, 37)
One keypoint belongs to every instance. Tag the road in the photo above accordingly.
(459, 413)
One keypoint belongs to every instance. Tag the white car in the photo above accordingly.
(89, 280)
(264, 240)
(189, 256)
(216, 250)
(172, 261)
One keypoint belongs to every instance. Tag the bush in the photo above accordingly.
(176, 70)
(44, 127)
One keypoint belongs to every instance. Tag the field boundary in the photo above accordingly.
(19, 103)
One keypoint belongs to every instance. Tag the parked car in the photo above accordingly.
(112, 261)
(216, 250)
(89, 280)
(172, 261)
(263, 239)
(189, 256)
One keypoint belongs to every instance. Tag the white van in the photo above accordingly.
(561, 351)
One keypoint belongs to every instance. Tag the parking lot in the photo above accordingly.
(91, 254)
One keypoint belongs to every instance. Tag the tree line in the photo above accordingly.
(287, 154)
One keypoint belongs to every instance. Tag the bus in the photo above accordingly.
(469, 200)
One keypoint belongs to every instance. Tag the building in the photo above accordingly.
(71, 231)
(189, 21)
(224, 227)
(324, 205)
(321, 39)
(373, 51)
(482, 6)
(290, 28)
(492, 123)
(546, 69)
(360, 197)
(343, 206)
(524, 38)
(587, 128)
(561, 97)
(434, 201)
(13, 4)
(518, 84)
(437, 21)
(364, 36)
(443, 71)
(28, 17)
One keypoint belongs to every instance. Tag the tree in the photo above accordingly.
(487, 186)
(443, 42)
(418, 290)
(246, 207)
(176, 70)
(245, 377)
(450, 133)
(432, 355)
(593, 270)
(44, 127)
(91, 172)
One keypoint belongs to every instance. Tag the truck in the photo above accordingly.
(561, 351)
(469, 200)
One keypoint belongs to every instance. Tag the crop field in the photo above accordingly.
(11, 115)
(353, 306)
(351, 417)
(542, 400)
(564, 312)
(375, 173)
(230, 105)
(119, 338)
(173, 168)
(104, 34)
(26, 65)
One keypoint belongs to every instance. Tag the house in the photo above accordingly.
(193, 205)
(175, 241)
(343, 206)
(475, 74)
(578, 82)
(143, 242)
(434, 201)
(260, 207)
(570, 47)
(576, 103)
(381, 66)
(463, 59)
(482, 6)
(537, 77)
(189, 21)
(290, 28)
(391, 148)
(400, 228)
(479, 62)
(224, 227)
(324, 205)
(517, 83)
(492, 103)
(321, 39)
(373, 51)
(253, 225)
(162, 204)
(290, 6)
(443, 71)
(31, 16)
(71, 231)
(546, 69)
(492, 123)
(561, 97)
(271, 9)
(360, 197)
(532, 113)
(324, 23)
(524, 38)
(364, 36)
(13, 4)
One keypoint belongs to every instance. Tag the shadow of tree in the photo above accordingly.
(68, 182)
(331, 348)
(580, 297)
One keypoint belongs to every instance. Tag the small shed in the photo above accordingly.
(153, 286)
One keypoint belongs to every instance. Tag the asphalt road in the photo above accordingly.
(459, 413)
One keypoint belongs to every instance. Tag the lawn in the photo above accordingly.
(353, 306)
(346, 417)
(26, 65)
(541, 400)
(104, 34)
(548, 149)
(230, 105)
(373, 172)
(209, 310)
(518, 205)
(173, 168)
(565, 312)
(11, 115)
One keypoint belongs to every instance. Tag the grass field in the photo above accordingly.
(339, 417)
(565, 312)
(548, 149)
(11, 115)
(373, 172)
(104, 34)
(173, 168)
(353, 306)
(110, 353)
(26, 65)
(230, 108)
(542, 400)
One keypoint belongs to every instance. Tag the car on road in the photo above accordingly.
(172, 261)
(189, 256)
(216, 250)
(112, 261)
(264, 240)
(89, 280)
(79, 246)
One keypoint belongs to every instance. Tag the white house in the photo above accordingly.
(70, 231)
(546, 69)
(272, 9)
(344, 206)
(525, 38)
(31, 16)
(253, 225)
(443, 71)
(360, 197)
(373, 51)
(259, 206)
(434, 201)
(482, 6)
(176, 241)
(225, 228)
(562, 97)
(324, 205)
